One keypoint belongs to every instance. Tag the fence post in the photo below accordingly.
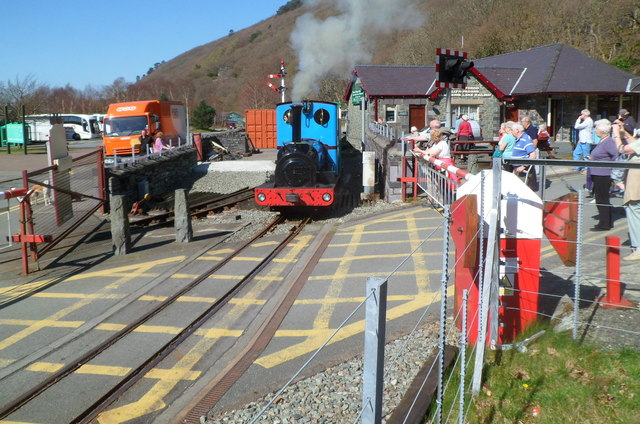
(184, 232)
(576, 288)
(613, 299)
(120, 232)
(374, 337)
(463, 355)
(444, 280)
(490, 280)
(102, 179)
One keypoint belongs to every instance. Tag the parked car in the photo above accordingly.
(71, 134)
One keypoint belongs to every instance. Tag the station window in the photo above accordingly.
(390, 114)
(470, 110)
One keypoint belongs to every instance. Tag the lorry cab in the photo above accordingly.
(124, 123)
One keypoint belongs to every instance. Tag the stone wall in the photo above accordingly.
(158, 176)
(234, 140)
(388, 165)
(475, 95)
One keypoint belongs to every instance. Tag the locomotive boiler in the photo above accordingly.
(308, 165)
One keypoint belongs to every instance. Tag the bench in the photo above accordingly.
(477, 150)
(551, 150)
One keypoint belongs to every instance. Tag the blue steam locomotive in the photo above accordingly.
(308, 164)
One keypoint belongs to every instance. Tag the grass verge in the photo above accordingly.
(555, 381)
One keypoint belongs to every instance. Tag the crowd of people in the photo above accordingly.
(602, 140)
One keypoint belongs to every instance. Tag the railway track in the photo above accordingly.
(200, 208)
(156, 357)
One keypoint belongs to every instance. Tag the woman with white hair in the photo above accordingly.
(606, 150)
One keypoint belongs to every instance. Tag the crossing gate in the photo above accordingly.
(437, 179)
(59, 199)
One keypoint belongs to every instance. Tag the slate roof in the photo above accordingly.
(555, 68)
(558, 68)
(395, 81)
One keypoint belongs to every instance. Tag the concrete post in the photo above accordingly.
(374, 338)
(182, 220)
(120, 233)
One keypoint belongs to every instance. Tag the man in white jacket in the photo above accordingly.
(584, 125)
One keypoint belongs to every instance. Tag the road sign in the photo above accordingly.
(357, 94)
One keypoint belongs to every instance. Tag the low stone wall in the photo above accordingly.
(234, 140)
(159, 176)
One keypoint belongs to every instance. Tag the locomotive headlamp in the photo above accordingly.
(262, 197)
(326, 197)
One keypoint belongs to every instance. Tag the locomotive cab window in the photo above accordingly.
(321, 116)
(287, 116)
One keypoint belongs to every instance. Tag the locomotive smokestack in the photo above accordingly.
(296, 123)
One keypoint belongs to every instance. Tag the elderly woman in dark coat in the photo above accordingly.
(606, 150)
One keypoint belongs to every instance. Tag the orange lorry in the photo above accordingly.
(124, 123)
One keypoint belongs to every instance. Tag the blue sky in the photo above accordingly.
(94, 42)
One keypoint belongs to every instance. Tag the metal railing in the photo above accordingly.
(384, 130)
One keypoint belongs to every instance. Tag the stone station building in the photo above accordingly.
(550, 84)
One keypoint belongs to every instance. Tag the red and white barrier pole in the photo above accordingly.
(16, 192)
(450, 168)
(613, 299)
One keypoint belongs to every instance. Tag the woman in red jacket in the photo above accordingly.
(465, 133)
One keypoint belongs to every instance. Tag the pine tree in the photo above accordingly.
(203, 116)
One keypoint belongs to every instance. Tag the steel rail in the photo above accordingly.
(221, 383)
(134, 376)
(77, 363)
(219, 202)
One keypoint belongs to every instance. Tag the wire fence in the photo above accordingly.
(9, 219)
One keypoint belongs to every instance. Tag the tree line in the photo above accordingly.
(39, 98)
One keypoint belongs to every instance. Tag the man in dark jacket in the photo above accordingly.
(145, 140)
(627, 121)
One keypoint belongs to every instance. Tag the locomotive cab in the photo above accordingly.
(308, 162)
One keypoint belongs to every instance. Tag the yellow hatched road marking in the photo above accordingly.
(174, 374)
(380, 231)
(94, 296)
(316, 337)
(133, 271)
(390, 255)
(417, 273)
(389, 218)
(350, 299)
(220, 251)
(265, 243)
(337, 282)
(19, 289)
(6, 362)
(42, 322)
(45, 367)
(380, 243)
(320, 331)
(153, 400)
